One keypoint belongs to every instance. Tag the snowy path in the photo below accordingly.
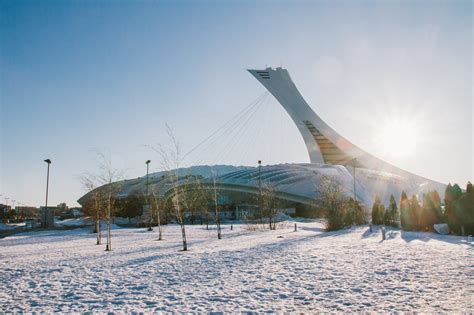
(308, 270)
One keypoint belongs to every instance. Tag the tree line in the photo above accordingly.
(456, 210)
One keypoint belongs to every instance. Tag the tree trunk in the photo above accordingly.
(218, 223)
(183, 234)
(219, 234)
(159, 225)
(98, 231)
(108, 247)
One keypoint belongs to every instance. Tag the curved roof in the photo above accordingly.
(292, 182)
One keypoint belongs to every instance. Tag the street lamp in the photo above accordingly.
(147, 203)
(260, 201)
(46, 214)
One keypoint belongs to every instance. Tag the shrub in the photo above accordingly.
(347, 214)
(354, 213)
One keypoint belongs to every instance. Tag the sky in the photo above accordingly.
(78, 77)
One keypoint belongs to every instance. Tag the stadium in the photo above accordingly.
(297, 186)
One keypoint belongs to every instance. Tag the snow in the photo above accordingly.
(74, 222)
(11, 226)
(441, 228)
(284, 271)
(6, 227)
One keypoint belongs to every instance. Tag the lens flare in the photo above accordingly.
(398, 139)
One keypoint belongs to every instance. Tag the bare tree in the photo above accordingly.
(202, 197)
(93, 205)
(270, 205)
(171, 159)
(191, 196)
(109, 177)
(215, 195)
(159, 204)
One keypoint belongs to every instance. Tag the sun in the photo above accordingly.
(398, 139)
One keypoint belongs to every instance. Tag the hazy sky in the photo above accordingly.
(77, 76)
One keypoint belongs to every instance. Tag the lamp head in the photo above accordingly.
(259, 162)
(148, 162)
(48, 161)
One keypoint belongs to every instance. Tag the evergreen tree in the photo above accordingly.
(457, 191)
(448, 204)
(375, 211)
(393, 212)
(469, 188)
(354, 214)
(359, 214)
(436, 199)
(452, 194)
(463, 212)
(414, 213)
(448, 194)
(381, 214)
(404, 210)
(431, 211)
(386, 217)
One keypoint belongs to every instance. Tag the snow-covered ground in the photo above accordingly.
(10, 226)
(73, 222)
(283, 270)
(6, 227)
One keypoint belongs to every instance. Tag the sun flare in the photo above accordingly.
(398, 139)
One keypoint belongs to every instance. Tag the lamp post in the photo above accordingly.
(147, 203)
(108, 246)
(260, 201)
(259, 173)
(46, 213)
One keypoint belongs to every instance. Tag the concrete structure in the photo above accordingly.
(323, 143)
